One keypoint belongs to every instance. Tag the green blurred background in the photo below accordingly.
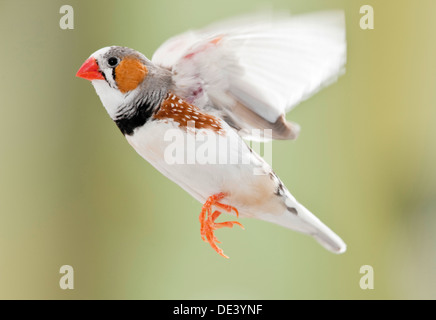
(72, 191)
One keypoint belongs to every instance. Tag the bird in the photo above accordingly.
(191, 110)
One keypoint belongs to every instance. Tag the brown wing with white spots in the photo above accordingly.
(178, 110)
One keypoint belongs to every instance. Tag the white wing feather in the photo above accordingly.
(255, 69)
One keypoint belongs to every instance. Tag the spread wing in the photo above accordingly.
(254, 69)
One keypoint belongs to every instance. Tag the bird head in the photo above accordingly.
(122, 77)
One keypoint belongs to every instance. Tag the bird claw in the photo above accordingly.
(208, 224)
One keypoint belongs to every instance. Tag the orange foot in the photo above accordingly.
(208, 224)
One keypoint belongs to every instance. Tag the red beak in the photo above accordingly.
(89, 70)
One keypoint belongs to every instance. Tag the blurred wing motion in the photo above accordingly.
(255, 69)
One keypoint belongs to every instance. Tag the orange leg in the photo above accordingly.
(208, 224)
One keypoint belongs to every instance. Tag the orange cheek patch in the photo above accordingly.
(129, 73)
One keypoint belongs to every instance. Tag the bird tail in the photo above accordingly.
(298, 218)
(323, 234)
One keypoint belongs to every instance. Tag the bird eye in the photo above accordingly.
(113, 61)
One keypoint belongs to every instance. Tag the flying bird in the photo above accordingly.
(226, 83)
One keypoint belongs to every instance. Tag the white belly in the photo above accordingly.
(216, 164)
